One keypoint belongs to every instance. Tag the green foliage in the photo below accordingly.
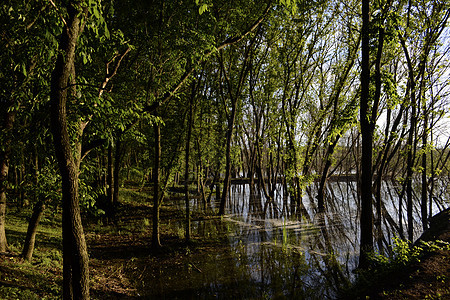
(45, 184)
(96, 22)
(89, 197)
(404, 254)
(203, 6)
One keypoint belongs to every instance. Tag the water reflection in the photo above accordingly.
(274, 249)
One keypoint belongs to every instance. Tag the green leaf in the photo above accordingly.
(204, 7)
(107, 34)
(95, 12)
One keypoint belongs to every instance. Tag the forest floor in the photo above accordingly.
(118, 249)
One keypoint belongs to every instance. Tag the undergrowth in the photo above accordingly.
(382, 267)
(404, 254)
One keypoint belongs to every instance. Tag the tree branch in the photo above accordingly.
(228, 42)
(90, 146)
(57, 10)
(109, 75)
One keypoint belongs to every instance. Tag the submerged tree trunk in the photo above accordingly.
(324, 177)
(227, 180)
(202, 180)
(423, 204)
(376, 100)
(30, 239)
(366, 219)
(410, 145)
(75, 256)
(231, 118)
(409, 169)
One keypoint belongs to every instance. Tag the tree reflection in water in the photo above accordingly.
(276, 249)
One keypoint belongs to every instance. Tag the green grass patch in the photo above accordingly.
(42, 278)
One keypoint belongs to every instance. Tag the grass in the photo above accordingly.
(120, 252)
(42, 278)
(111, 246)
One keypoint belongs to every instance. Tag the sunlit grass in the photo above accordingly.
(42, 277)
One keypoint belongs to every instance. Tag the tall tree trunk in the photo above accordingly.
(186, 170)
(227, 180)
(231, 119)
(422, 99)
(116, 172)
(200, 165)
(156, 244)
(376, 100)
(366, 221)
(411, 144)
(109, 182)
(4, 168)
(75, 256)
(186, 176)
(409, 167)
(423, 204)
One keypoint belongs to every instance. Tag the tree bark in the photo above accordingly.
(30, 239)
(156, 244)
(116, 172)
(423, 204)
(75, 256)
(366, 219)
(109, 182)
(9, 117)
(227, 180)
(186, 170)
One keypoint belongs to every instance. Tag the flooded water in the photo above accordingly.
(274, 250)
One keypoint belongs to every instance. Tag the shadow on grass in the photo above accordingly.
(16, 239)
(129, 234)
(20, 280)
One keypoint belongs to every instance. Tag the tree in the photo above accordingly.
(63, 88)
(234, 84)
(25, 60)
(366, 221)
(64, 92)
(435, 24)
